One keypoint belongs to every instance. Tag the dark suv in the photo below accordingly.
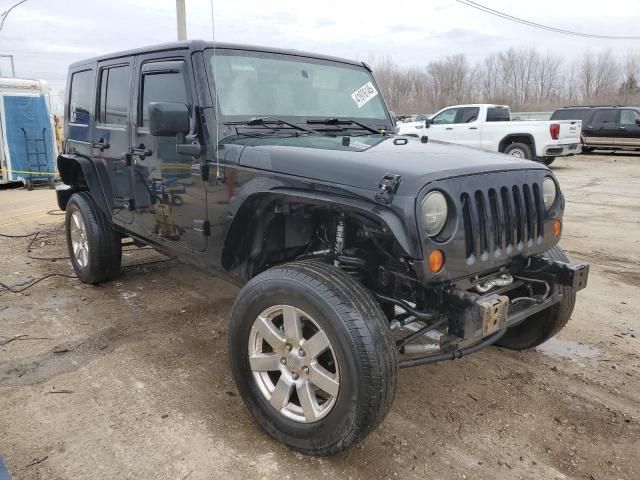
(616, 128)
(359, 252)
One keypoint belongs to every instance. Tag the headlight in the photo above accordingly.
(434, 213)
(549, 192)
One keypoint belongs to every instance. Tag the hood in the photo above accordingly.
(366, 159)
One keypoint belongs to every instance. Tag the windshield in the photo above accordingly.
(257, 84)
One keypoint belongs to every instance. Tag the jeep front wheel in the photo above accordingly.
(312, 356)
(94, 247)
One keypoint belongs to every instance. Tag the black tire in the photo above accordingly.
(540, 327)
(104, 243)
(29, 184)
(524, 148)
(360, 338)
(548, 160)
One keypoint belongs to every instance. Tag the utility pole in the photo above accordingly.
(181, 17)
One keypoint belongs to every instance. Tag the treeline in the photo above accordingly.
(525, 79)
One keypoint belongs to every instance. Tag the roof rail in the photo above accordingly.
(592, 106)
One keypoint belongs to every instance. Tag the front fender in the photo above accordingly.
(384, 215)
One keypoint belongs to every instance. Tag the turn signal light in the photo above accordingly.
(557, 228)
(436, 261)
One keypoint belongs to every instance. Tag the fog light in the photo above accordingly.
(436, 261)
(557, 228)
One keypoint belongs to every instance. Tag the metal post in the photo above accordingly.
(181, 18)
(13, 68)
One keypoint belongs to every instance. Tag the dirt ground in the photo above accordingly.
(131, 379)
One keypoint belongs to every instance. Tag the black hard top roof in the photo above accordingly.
(199, 45)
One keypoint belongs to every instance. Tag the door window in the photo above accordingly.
(498, 114)
(469, 114)
(80, 98)
(113, 104)
(629, 118)
(162, 87)
(446, 117)
(604, 118)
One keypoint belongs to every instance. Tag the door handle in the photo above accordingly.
(449, 128)
(101, 144)
(623, 128)
(473, 128)
(141, 151)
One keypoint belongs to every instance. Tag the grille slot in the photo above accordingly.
(502, 220)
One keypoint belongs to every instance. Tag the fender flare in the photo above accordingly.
(383, 214)
(94, 174)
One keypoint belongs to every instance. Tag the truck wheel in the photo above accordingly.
(540, 327)
(28, 183)
(519, 150)
(94, 247)
(548, 160)
(312, 356)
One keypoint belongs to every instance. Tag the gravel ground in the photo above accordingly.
(131, 379)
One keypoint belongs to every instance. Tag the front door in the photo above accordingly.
(629, 129)
(170, 196)
(442, 125)
(111, 134)
(601, 128)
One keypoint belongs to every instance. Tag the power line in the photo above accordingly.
(5, 14)
(506, 16)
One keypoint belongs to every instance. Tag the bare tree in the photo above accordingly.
(525, 79)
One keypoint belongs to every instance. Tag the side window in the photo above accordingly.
(497, 114)
(80, 98)
(629, 118)
(604, 118)
(469, 114)
(161, 87)
(446, 117)
(113, 104)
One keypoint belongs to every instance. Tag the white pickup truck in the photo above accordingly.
(490, 127)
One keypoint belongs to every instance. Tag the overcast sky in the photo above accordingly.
(45, 36)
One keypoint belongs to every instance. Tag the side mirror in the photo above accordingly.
(427, 123)
(168, 119)
(394, 117)
(637, 121)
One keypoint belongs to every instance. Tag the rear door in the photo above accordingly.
(602, 127)
(170, 196)
(112, 132)
(442, 125)
(629, 128)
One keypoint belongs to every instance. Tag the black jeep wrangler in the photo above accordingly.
(359, 252)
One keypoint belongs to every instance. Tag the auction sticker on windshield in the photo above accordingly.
(364, 94)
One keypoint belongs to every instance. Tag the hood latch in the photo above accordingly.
(387, 188)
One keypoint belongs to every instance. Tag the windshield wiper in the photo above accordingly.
(342, 121)
(270, 121)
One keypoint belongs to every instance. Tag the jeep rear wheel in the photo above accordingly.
(541, 326)
(94, 247)
(312, 356)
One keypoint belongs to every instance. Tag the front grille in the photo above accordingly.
(501, 221)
